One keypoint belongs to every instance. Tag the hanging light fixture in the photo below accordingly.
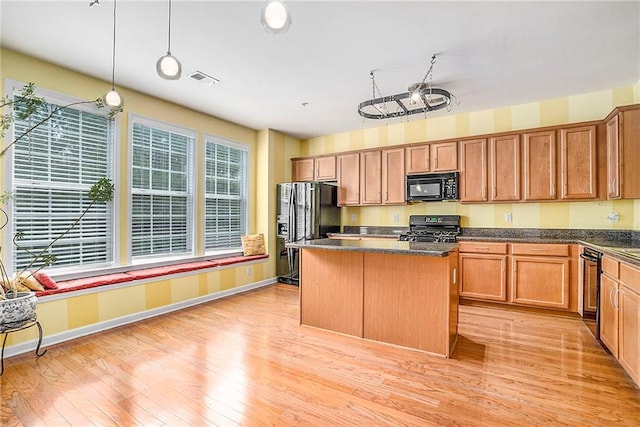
(168, 66)
(112, 99)
(275, 17)
(420, 97)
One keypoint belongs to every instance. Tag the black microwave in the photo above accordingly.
(432, 187)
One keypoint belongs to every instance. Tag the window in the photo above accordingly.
(162, 189)
(225, 194)
(53, 169)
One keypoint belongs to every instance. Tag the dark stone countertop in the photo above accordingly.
(394, 247)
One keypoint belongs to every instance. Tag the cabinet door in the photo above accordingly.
(370, 178)
(325, 168)
(504, 167)
(540, 281)
(473, 170)
(444, 157)
(613, 157)
(349, 179)
(578, 168)
(483, 276)
(629, 318)
(393, 176)
(539, 165)
(417, 159)
(302, 170)
(609, 313)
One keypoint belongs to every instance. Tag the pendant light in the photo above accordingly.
(112, 99)
(168, 66)
(275, 17)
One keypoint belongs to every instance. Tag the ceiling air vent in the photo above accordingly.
(201, 77)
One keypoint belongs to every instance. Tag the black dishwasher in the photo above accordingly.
(592, 267)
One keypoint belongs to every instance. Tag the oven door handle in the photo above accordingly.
(589, 257)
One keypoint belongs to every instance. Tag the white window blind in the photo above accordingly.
(53, 170)
(162, 185)
(225, 195)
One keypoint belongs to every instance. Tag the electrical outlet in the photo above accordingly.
(508, 217)
(396, 218)
(250, 270)
(353, 217)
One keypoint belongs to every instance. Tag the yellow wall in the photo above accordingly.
(266, 161)
(578, 108)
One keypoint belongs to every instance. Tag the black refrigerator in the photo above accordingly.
(305, 211)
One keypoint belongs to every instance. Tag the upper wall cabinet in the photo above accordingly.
(623, 154)
(321, 168)
(473, 170)
(324, 168)
(348, 172)
(439, 157)
(393, 177)
(371, 177)
(504, 168)
(578, 163)
(302, 169)
(539, 160)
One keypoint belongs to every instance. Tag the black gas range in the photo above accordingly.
(432, 228)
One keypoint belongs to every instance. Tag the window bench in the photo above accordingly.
(128, 276)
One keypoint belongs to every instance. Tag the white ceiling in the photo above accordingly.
(490, 54)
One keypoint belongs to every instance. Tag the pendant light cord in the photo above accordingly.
(113, 52)
(169, 32)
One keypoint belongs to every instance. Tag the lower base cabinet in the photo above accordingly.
(534, 275)
(609, 313)
(620, 313)
(629, 320)
(540, 281)
(483, 276)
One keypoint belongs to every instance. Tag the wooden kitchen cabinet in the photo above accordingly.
(418, 159)
(302, 169)
(444, 157)
(324, 168)
(540, 275)
(539, 162)
(609, 288)
(623, 153)
(629, 320)
(371, 177)
(438, 157)
(473, 170)
(393, 177)
(348, 174)
(578, 163)
(504, 168)
(483, 276)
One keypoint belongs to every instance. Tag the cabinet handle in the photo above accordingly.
(553, 190)
(617, 300)
(611, 297)
(484, 192)
(539, 250)
(436, 163)
(494, 192)
(481, 248)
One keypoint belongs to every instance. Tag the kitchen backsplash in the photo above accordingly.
(572, 215)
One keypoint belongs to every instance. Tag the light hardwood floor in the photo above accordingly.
(244, 360)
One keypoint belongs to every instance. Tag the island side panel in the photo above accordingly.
(407, 301)
(331, 290)
(454, 300)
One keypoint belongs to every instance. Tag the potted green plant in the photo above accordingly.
(19, 306)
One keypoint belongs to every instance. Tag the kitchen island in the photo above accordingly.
(402, 293)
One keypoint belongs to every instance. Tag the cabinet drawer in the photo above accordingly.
(630, 276)
(540, 249)
(611, 267)
(483, 247)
